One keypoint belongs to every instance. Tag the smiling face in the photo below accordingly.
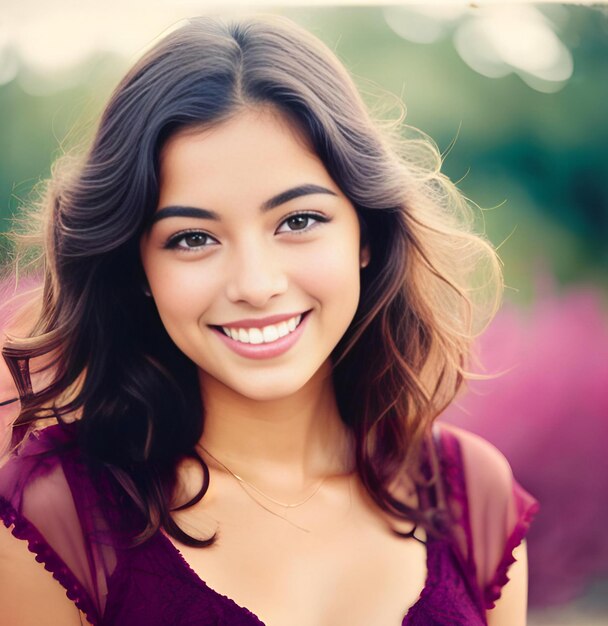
(275, 237)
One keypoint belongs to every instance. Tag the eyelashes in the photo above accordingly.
(172, 243)
(174, 240)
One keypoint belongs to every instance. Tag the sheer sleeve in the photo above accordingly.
(495, 510)
(47, 500)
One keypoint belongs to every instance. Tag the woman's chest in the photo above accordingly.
(355, 581)
(345, 568)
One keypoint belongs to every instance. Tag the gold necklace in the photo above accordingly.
(242, 482)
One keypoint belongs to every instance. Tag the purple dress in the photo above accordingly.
(76, 520)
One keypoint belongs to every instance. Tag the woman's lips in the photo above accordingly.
(264, 350)
(261, 323)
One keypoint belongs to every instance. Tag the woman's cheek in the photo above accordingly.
(183, 292)
(333, 281)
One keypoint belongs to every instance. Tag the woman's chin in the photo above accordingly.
(259, 387)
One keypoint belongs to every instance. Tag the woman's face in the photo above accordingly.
(250, 248)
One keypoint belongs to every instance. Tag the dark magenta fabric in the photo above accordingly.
(77, 522)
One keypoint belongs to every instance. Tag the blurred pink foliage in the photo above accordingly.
(12, 296)
(549, 416)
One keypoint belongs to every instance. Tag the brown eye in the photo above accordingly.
(298, 222)
(301, 222)
(192, 241)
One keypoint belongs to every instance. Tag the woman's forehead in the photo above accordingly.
(257, 155)
(244, 125)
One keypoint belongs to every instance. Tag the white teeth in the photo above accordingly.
(268, 334)
(243, 336)
(255, 335)
(271, 333)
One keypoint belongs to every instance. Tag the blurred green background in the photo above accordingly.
(534, 161)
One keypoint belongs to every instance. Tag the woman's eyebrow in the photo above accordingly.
(207, 214)
(294, 192)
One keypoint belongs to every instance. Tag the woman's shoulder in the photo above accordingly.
(36, 462)
(37, 480)
(492, 509)
(480, 460)
(478, 472)
(50, 502)
(49, 474)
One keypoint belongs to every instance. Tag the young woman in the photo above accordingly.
(256, 301)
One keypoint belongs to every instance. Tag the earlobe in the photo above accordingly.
(146, 289)
(365, 252)
(364, 257)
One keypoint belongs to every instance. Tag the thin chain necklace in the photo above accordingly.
(242, 482)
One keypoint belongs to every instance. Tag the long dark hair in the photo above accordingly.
(114, 368)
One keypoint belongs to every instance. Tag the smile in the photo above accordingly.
(266, 342)
(267, 334)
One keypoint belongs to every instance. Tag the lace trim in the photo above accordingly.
(23, 529)
(177, 554)
(527, 508)
(462, 534)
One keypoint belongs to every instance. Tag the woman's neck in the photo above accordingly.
(290, 442)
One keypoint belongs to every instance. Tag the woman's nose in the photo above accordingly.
(256, 275)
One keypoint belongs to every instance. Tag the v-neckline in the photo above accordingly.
(181, 561)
